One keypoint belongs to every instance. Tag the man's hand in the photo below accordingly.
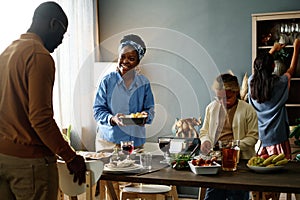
(206, 147)
(78, 168)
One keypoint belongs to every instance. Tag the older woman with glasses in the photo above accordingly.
(229, 118)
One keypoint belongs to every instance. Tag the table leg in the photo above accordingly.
(111, 190)
(255, 195)
(88, 185)
(102, 189)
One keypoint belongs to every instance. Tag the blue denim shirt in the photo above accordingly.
(113, 97)
(272, 116)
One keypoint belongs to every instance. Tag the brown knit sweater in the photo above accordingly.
(27, 127)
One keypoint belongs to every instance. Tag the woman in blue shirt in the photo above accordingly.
(123, 92)
(268, 94)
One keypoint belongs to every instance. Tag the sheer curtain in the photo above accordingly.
(74, 59)
(74, 86)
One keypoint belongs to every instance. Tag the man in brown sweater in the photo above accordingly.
(29, 136)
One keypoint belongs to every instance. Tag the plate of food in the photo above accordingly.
(129, 168)
(94, 155)
(205, 168)
(269, 164)
(268, 169)
(133, 119)
(216, 155)
(180, 161)
(122, 168)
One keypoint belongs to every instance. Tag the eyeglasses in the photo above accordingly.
(61, 23)
(224, 98)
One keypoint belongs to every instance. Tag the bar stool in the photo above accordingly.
(68, 187)
(149, 192)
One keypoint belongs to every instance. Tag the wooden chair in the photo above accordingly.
(68, 187)
(202, 191)
(109, 190)
(266, 195)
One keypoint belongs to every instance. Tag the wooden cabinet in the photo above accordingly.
(281, 26)
(268, 28)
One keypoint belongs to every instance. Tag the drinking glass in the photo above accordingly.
(164, 145)
(146, 160)
(230, 154)
(127, 147)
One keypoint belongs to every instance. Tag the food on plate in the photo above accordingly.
(134, 115)
(180, 161)
(134, 119)
(278, 158)
(205, 169)
(204, 162)
(271, 161)
(281, 162)
(216, 154)
(96, 155)
(137, 115)
(93, 155)
(121, 163)
(268, 161)
(256, 161)
(265, 156)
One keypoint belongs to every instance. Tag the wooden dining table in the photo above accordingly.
(287, 180)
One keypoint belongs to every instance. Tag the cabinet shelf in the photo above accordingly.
(269, 24)
(269, 47)
(292, 105)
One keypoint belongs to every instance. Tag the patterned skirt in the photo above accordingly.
(283, 147)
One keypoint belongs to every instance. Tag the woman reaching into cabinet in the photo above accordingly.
(268, 94)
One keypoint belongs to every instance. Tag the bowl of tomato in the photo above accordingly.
(204, 167)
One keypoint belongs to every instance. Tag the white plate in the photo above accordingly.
(265, 169)
(204, 170)
(94, 155)
(124, 169)
(149, 189)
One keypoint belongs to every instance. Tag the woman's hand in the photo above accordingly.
(206, 147)
(145, 120)
(115, 120)
(297, 44)
(276, 47)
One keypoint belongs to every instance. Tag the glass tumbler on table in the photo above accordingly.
(164, 145)
(230, 154)
(127, 147)
(146, 160)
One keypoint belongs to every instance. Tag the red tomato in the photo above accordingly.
(265, 156)
(214, 159)
(194, 162)
(208, 162)
(201, 162)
